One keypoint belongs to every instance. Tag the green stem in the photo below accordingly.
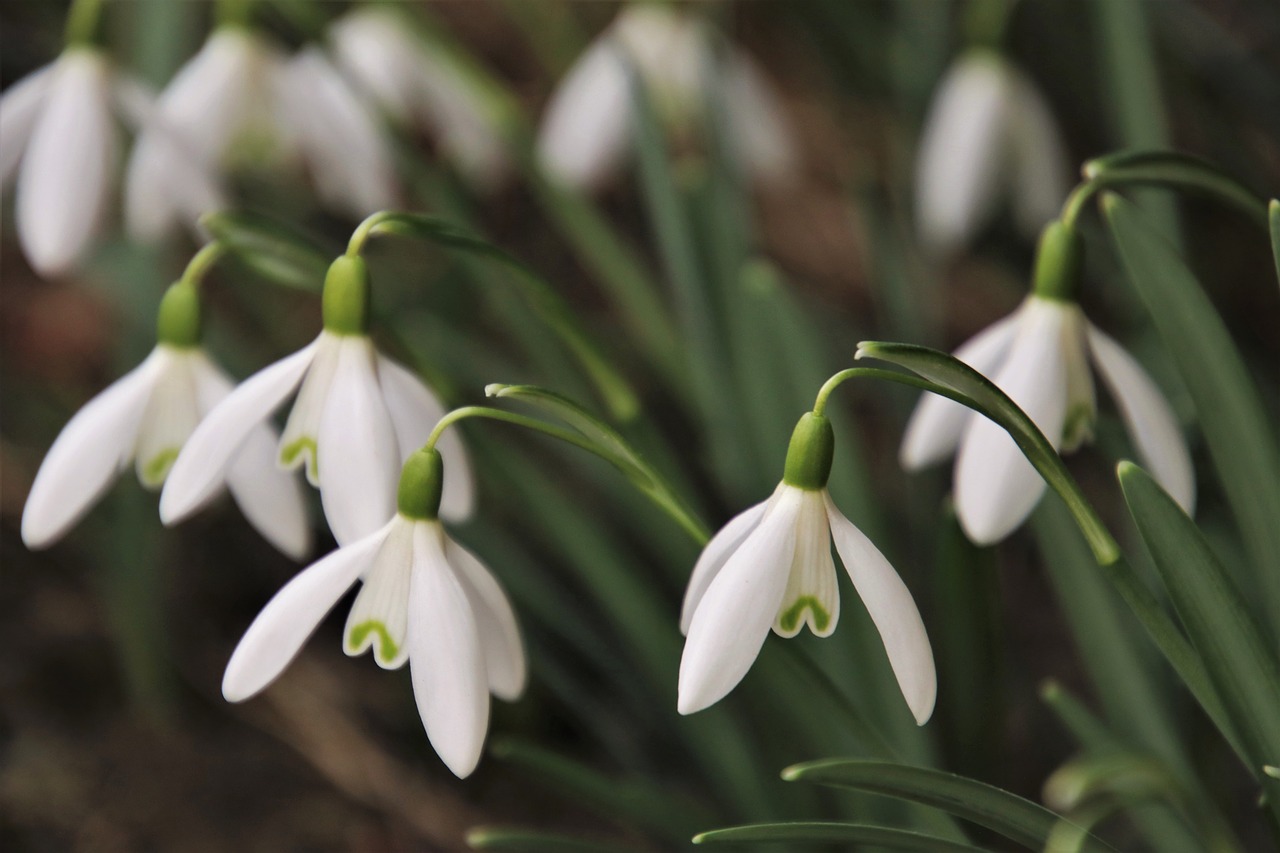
(232, 13)
(202, 262)
(82, 22)
(365, 230)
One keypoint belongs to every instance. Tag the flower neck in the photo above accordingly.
(421, 486)
(346, 297)
(178, 321)
(1059, 259)
(810, 453)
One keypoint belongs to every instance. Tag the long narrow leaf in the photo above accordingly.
(814, 832)
(516, 840)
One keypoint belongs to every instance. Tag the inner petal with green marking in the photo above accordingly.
(298, 441)
(170, 418)
(379, 617)
(812, 596)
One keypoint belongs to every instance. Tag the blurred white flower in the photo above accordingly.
(426, 600)
(588, 123)
(988, 134)
(239, 101)
(146, 417)
(771, 566)
(1039, 356)
(417, 85)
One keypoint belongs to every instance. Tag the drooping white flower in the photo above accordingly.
(240, 101)
(988, 135)
(425, 600)
(416, 84)
(587, 127)
(357, 417)
(1040, 356)
(771, 567)
(146, 417)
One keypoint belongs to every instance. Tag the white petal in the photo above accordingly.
(356, 447)
(731, 622)
(65, 179)
(170, 417)
(812, 596)
(20, 105)
(414, 412)
(292, 615)
(935, 427)
(893, 611)
(713, 558)
(757, 122)
(1150, 420)
(202, 467)
(379, 618)
(467, 134)
(586, 126)
(962, 151)
(270, 499)
(375, 49)
(495, 621)
(88, 455)
(445, 656)
(995, 486)
(347, 153)
(1038, 158)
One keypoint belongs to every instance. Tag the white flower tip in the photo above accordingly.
(922, 701)
(37, 532)
(986, 527)
(691, 702)
(461, 755)
(235, 687)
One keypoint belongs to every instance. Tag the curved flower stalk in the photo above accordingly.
(1040, 356)
(424, 600)
(771, 567)
(587, 127)
(240, 101)
(988, 133)
(418, 86)
(145, 418)
(357, 417)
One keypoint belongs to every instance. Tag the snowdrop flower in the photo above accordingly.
(771, 566)
(239, 101)
(357, 417)
(1040, 357)
(415, 84)
(424, 600)
(587, 127)
(145, 417)
(988, 132)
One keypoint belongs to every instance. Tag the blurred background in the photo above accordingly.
(726, 301)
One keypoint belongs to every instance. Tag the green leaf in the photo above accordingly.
(518, 840)
(1012, 816)
(271, 250)
(1240, 660)
(1240, 436)
(1273, 217)
(605, 442)
(1172, 170)
(806, 832)
(542, 297)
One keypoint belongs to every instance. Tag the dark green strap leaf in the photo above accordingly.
(806, 832)
(1273, 217)
(516, 840)
(1172, 170)
(270, 249)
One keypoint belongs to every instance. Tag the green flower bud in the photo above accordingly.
(421, 484)
(813, 446)
(1059, 259)
(178, 319)
(346, 297)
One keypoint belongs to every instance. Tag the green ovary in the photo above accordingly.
(157, 467)
(790, 618)
(386, 649)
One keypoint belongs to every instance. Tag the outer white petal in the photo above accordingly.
(893, 610)
(445, 656)
(1148, 417)
(414, 412)
(292, 615)
(356, 447)
(715, 554)
(731, 622)
(20, 105)
(1038, 158)
(937, 423)
(345, 149)
(495, 621)
(379, 618)
(757, 122)
(65, 179)
(467, 133)
(202, 466)
(995, 486)
(375, 49)
(270, 499)
(587, 123)
(962, 151)
(87, 456)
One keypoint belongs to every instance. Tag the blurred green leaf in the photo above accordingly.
(1172, 170)
(1273, 219)
(516, 840)
(812, 832)
(272, 250)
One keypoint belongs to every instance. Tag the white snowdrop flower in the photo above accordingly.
(587, 127)
(357, 417)
(145, 418)
(1039, 356)
(988, 134)
(771, 567)
(424, 600)
(416, 84)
